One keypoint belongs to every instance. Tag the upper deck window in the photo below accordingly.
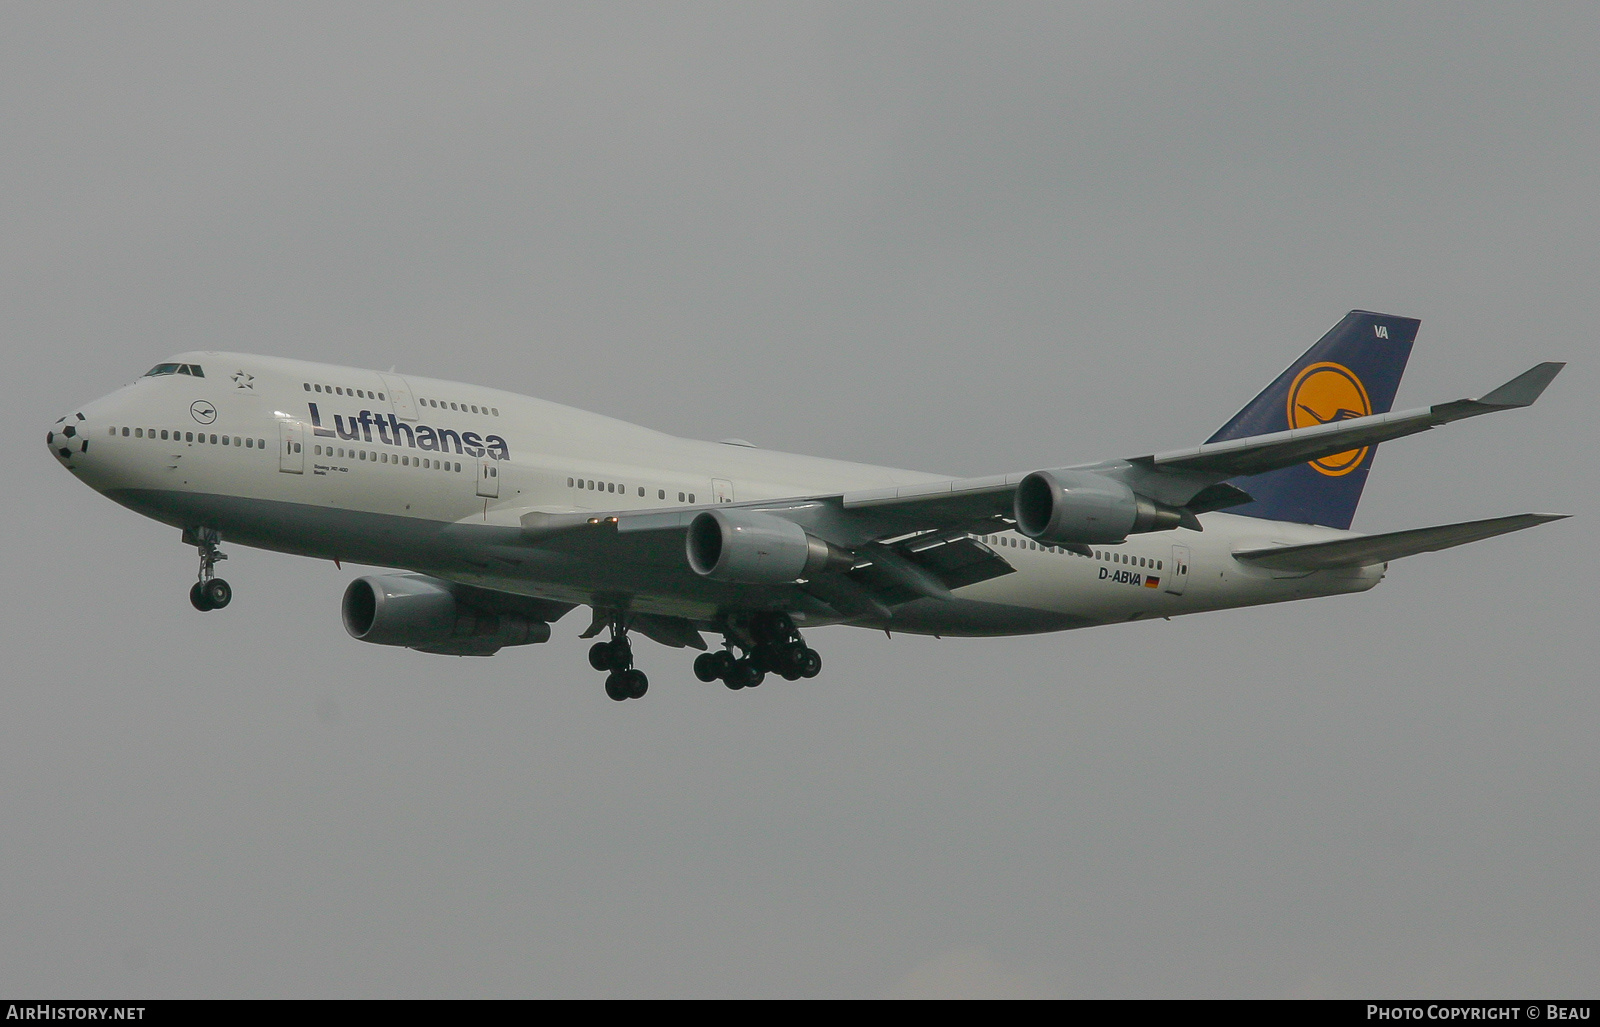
(189, 369)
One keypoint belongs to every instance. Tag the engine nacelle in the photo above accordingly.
(422, 613)
(755, 548)
(1064, 507)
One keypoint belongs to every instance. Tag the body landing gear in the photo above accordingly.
(624, 681)
(210, 592)
(771, 644)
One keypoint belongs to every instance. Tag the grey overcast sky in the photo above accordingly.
(962, 238)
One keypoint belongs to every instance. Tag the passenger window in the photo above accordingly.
(163, 434)
(224, 440)
(661, 493)
(306, 386)
(680, 497)
(641, 491)
(691, 497)
(495, 411)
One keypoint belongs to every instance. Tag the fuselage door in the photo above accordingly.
(291, 447)
(399, 391)
(488, 478)
(1178, 571)
(721, 490)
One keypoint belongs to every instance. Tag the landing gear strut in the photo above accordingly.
(771, 643)
(210, 592)
(623, 681)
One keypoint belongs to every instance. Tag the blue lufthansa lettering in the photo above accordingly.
(395, 427)
(316, 423)
(392, 432)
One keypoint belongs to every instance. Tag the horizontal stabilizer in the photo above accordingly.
(1365, 550)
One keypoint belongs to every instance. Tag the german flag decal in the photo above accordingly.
(1150, 582)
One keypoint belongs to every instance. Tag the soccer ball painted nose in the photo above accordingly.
(66, 438)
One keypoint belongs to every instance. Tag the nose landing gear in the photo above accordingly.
(771, 644)
(210, 592)
(616, 656)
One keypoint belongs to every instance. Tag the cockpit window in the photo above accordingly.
(189, 369)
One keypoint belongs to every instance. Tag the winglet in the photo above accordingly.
(1526, 387)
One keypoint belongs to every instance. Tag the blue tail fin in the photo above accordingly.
(1352, 371)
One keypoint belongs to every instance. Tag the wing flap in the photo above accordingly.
(1366, 550)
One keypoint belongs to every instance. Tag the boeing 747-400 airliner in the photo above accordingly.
(503, 513)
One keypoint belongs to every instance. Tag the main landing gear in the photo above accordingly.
(616, 656)
(771, 644)
(210, 592)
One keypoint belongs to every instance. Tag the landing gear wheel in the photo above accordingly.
(616, 688)
(739, 676)
(812, 665)
(613, 656)
(198, 598)
(634, 683)
(747, 672)
(791, 662)
(218, 593)
(707, 667)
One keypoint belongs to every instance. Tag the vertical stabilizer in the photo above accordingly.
(1352, 371)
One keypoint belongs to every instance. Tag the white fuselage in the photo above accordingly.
(436, 477)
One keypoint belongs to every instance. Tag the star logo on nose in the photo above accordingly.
(244, 381)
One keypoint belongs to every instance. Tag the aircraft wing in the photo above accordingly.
(1281, 449)
(913, 541)
(1365, 550)
(1193, 478)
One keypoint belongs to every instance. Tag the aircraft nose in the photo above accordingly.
(67, 439)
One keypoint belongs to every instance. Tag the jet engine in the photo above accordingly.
(1065, 507)
(422, 613)
(755, 548)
